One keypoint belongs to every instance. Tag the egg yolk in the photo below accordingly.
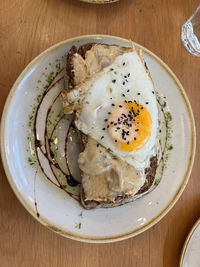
(130, 126)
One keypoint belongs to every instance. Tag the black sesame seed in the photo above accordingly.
(136, 130)
(111, 69)
(129, 74)
(138, 93)
(125, 76)
(147, 103)
(103, 129)
(128, 143)
(115, 123)
(97, 145)
(109, 112)
(141, 107)
(118, 128)
(120, 106)
(115, 141)
(125, 101)
(113, 81)
(134, 138)
(123, 83)
(102, 137)
(108, 126)
(113, 105)
(128, 91)
(112, 122)
(129, 101)
(160, 131)
(153, 92)
(111, 98)
(124, 64)
(106, 120)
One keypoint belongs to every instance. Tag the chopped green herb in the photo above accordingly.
(50, 77)
(64, 186)
(156, 182)
(170, 147)
(78, 225)
(168, 116)
(58, 66)
(164, 104)
(81, 214)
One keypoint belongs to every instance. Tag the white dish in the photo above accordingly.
(58, 211)
(190, 255)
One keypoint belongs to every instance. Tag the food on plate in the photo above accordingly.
(111, 93)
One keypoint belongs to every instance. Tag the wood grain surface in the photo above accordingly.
(29, 27)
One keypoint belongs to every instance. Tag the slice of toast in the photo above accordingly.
(78, 70)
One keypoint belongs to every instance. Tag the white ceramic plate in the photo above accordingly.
(57, 209)
(190, 256)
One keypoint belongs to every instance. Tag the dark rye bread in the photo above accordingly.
(150, 171)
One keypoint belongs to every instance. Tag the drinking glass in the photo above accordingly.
(190, 34)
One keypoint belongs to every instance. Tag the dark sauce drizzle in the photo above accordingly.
(48, 153)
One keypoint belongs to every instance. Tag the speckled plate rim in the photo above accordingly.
(179, 191)
(194, 227)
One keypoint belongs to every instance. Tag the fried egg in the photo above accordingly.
(119, 110)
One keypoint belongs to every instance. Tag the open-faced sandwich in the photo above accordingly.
(111, 93)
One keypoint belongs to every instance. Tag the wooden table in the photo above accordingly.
(29, 27)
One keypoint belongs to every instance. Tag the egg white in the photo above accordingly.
(107, 88)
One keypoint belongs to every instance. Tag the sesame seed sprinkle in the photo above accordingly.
(106, 120)
(97, 145)
(103, 129)
(113, 81)
(102, 137)
(124, 63)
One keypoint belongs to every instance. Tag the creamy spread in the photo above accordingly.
(105, 176)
